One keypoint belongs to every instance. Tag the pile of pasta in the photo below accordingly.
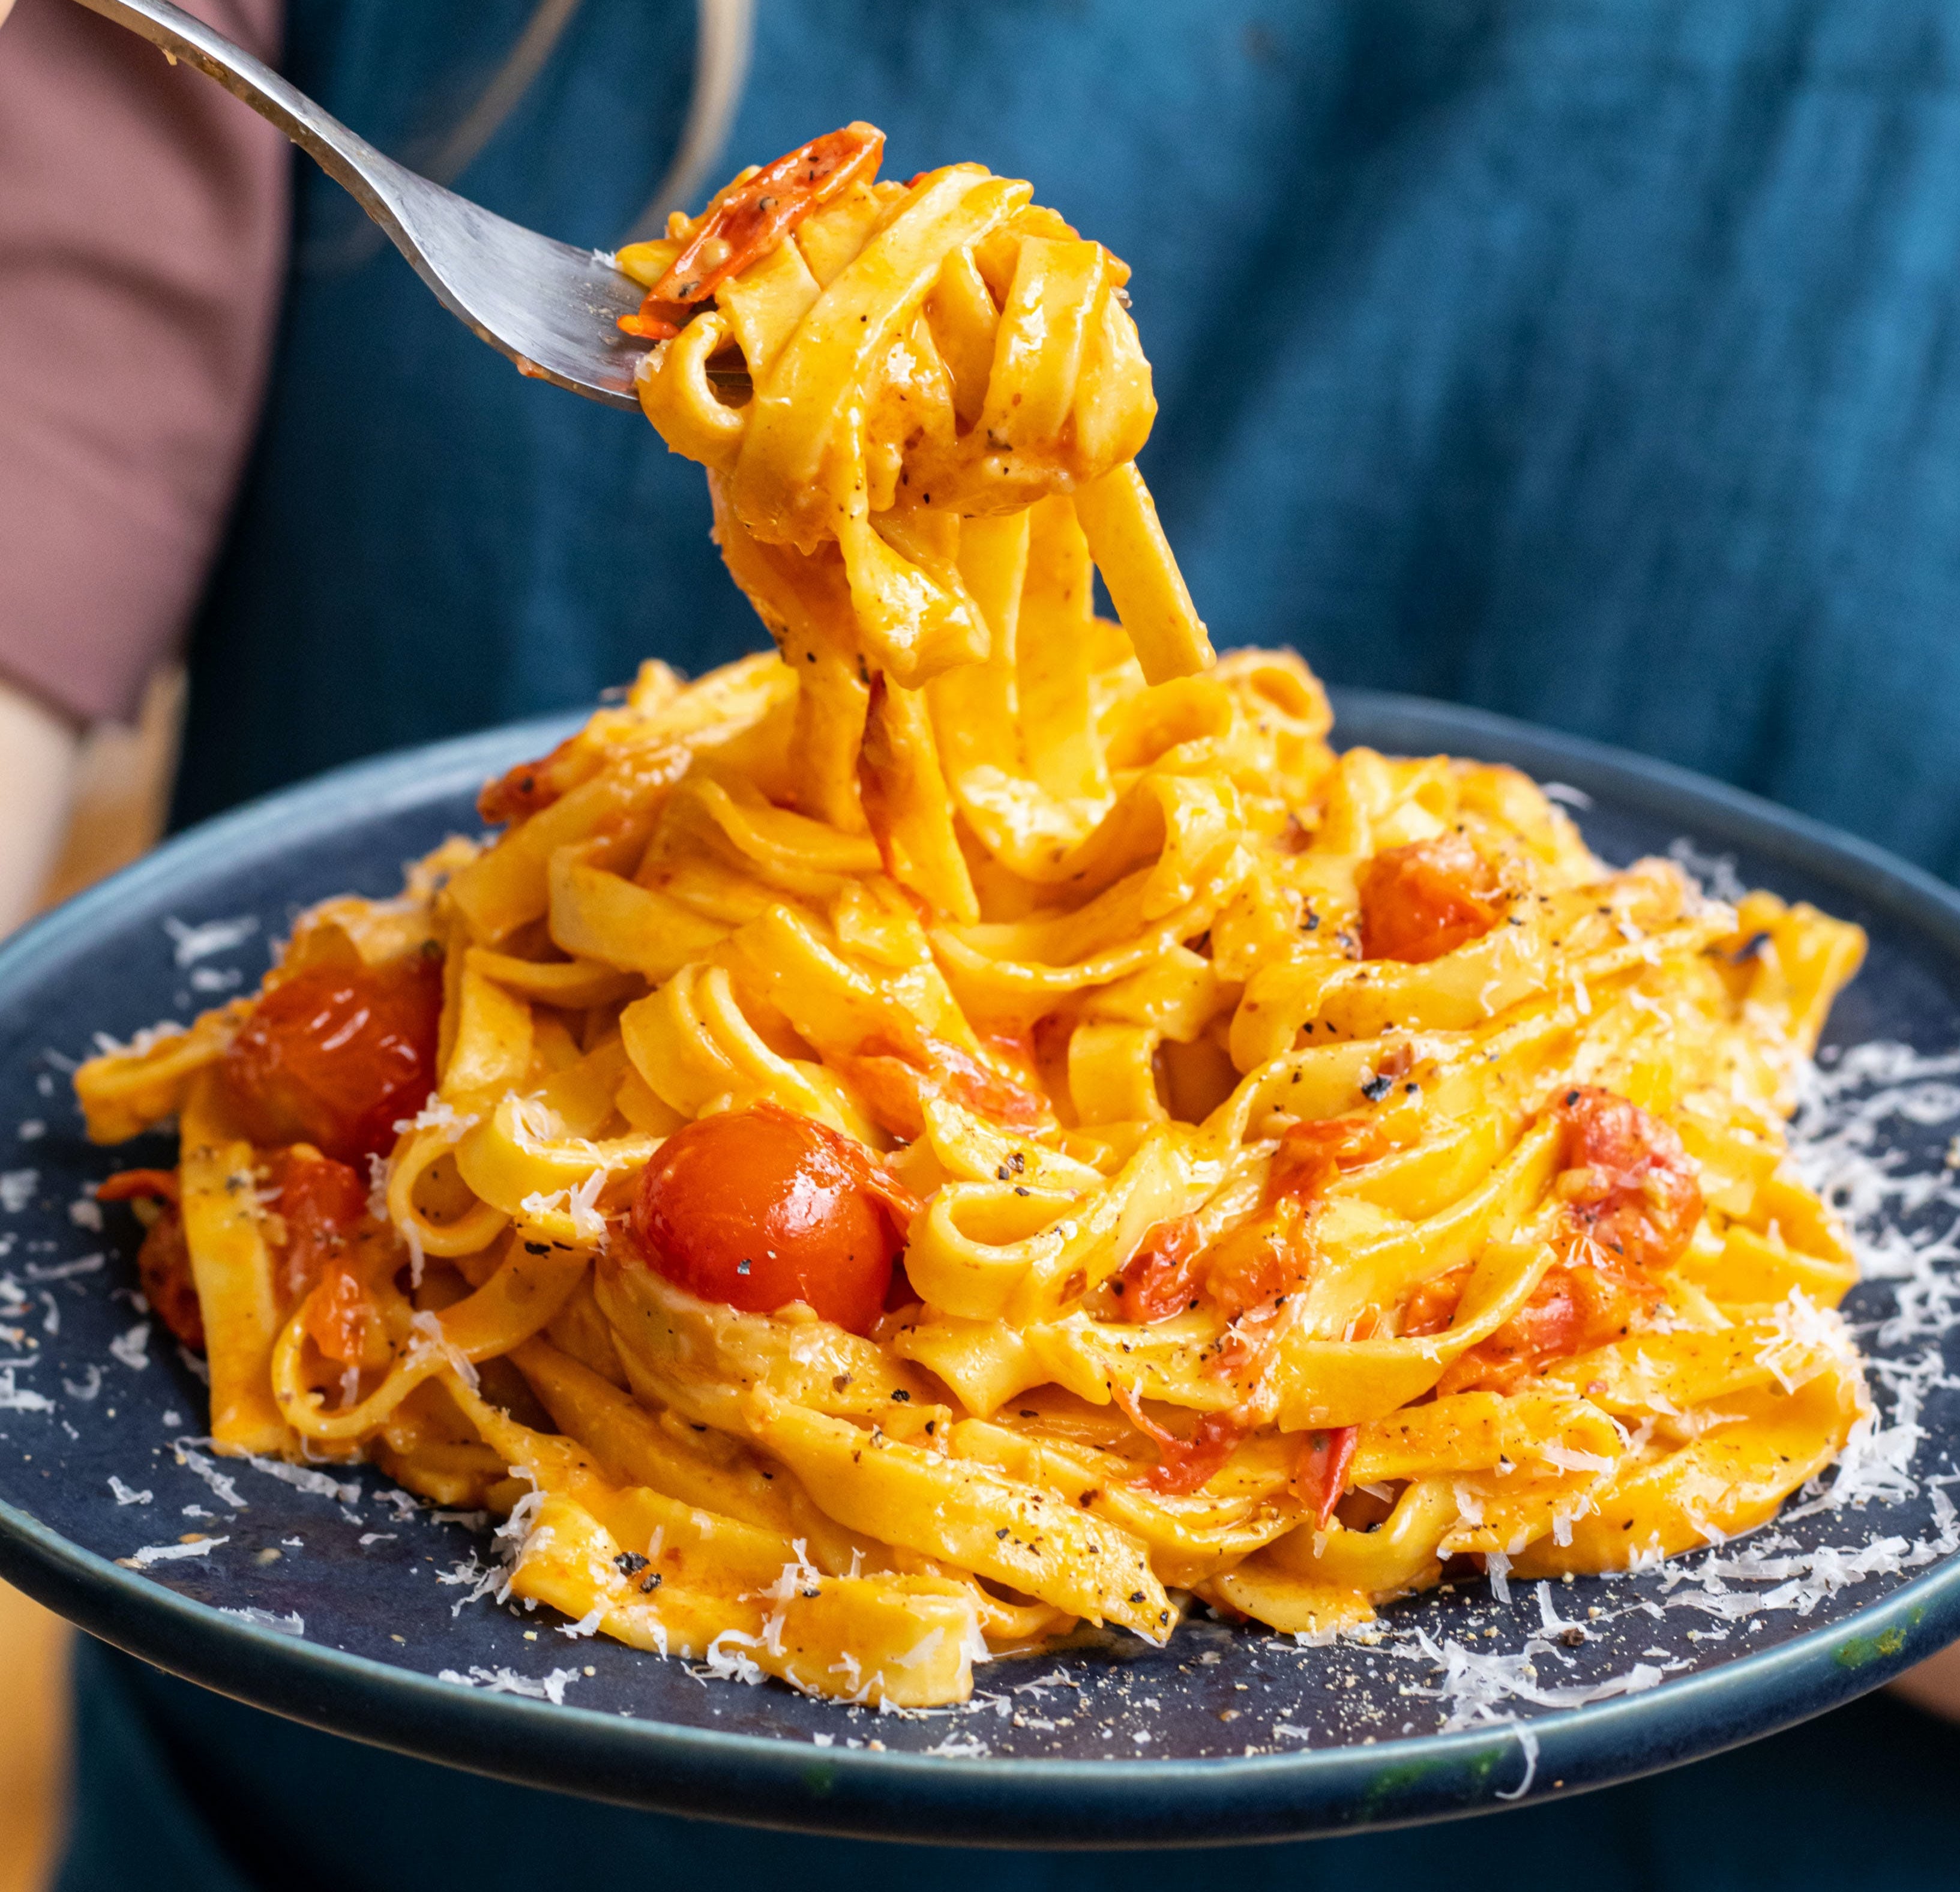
(1210, 1171)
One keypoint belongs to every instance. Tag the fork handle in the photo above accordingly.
(343, 155)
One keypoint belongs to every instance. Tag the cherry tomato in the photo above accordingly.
(1580, 1303)
(321, 1202)
(1630, 1191)
(751, 218)
(760, 1208)
(1421, 901)
(164, 1267)
(133, 1185)
(1162, 1278)
(338, 1318)
(334, 1056)
(528, 787)
(1312, 1154)
(893, 1081)
(1320, 1475)
(1183, 1464)
(1627, 1179)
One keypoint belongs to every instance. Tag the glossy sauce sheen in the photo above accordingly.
(761, 1208)
(1421, 901)
(335, 1055)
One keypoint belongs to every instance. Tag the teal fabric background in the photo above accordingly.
(1595, 363)
(183, 1791)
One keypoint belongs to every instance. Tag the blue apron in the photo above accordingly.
(1594, 363)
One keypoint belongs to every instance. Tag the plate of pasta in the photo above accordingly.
(987, 1225)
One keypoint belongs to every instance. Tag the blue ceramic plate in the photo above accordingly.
(334, 1598)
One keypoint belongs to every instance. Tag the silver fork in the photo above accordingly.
(554, 309)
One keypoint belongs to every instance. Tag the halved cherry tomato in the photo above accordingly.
(335, 1056)
(760, 1208)
(1627, 1180)
(757, 213)
(134, 1185)
(164, 1267)
(1421, 901)
(1320, 1476)
(321, 1202)
(1183, 1464)
(1631, 1193)
(1162, 1278)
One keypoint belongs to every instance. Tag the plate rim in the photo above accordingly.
(1124, 1801)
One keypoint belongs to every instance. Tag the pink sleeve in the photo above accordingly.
(142, 244)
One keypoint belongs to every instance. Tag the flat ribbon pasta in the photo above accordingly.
(1312, 1173)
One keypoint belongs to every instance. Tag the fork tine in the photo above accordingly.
(552, 308)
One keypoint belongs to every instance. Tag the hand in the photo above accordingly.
(1935, 1684)
(38, 748)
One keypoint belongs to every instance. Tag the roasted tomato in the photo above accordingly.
(1183, 1464)
(750, 219)
(1162, 1278)
(163, 1262)
(163, 1266)
(321, 1202)
(138, 1185)
(528, 787)
(1421, 901)
(1582, 1302)
(1630, 1191)
(1627, 1180)
(1320, 1475)
(761, 1208)
(1312, 1155)
(334, 1056)
(894, 1080)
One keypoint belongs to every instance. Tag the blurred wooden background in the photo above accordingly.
(122, 798)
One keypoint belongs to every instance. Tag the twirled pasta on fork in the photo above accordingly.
(978, 1120)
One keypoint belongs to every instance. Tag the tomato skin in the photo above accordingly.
(1425, 899)
(1627, 1179)
(321, 1202)
(164, 1267)
(751, 218)
(1320, 1475)
(1183, 1464)
(1162, 1277)
(757, 1209)
(334, 1056)
(1633, 1201)
(133, 1185)
(893, 1081)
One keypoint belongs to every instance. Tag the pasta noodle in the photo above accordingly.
(978, 1120)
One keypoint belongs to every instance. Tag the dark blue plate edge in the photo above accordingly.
(705, 1773)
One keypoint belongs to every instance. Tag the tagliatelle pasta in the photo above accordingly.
(978, 1120)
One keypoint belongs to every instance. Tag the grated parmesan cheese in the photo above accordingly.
(190, 944)
(506, 1681)
(21, 1399)
(169, 1554)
